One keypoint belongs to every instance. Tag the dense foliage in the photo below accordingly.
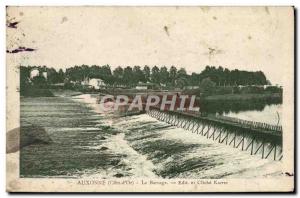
(131, 76)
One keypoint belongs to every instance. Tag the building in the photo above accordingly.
(145, 86)
(96, 83)
(85, 82)
(191, 87)
(44, 74)
(34, 73)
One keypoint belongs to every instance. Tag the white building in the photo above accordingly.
(85, 82)
(141, 87)
(191, 87)
(144, 86)
(45, 75)
(96, 83)
(34, 73)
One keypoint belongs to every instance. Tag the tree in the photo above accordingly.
(127, 77)
(118, 75)
(106, 74)
(131, 76)
(61, 76)
(181, 82)
(52, 76)
(194, 79)
(163, 75)
(227, 80)
(138, 75)
(155, 78)
(24, 77)
(118, 72)
(220, 76)
(181, 78)
(181, 73)
(39, 81)
(173, 75)
(147, 73)
(207, 86)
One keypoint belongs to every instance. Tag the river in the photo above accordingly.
(89, 143)
(270, 114)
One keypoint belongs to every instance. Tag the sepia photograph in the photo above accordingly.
(150, 99)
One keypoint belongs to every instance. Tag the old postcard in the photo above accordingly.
(150, 99)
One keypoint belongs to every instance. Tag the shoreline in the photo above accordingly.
(235, 97)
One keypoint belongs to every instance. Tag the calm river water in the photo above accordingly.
(270, 114)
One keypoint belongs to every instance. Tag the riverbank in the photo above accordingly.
(47, 92)
(238, 102)
(36, 92)
(239, 97)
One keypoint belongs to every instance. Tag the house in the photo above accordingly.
(145, 86)
(44, 74)
(191, 87)
(34, 73)
(95, 83)
(163, 84)
(85, 82)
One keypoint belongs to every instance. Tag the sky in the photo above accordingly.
(244, 38)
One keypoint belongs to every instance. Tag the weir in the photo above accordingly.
(253, 137)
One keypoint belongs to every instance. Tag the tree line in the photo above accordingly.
(162, 76)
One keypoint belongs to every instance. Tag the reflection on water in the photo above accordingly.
(267, 111)
(270, 114)
(234, 106)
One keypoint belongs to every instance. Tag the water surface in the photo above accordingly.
(90, 143)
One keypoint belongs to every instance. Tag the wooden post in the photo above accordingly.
(190, 123)
(252, 145)
(202, 129)
(198, 126)
(243, 141)
(220, 135)
(194, 124)
(227, 133)
(275, 152)
(208, 128)
(269, 152)
(249, 145)
(234, 139)
(263, 150)
(212, 133)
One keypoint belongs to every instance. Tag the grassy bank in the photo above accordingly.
(45, 92)
(239, 97)
(65, 92)
(36, 92)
